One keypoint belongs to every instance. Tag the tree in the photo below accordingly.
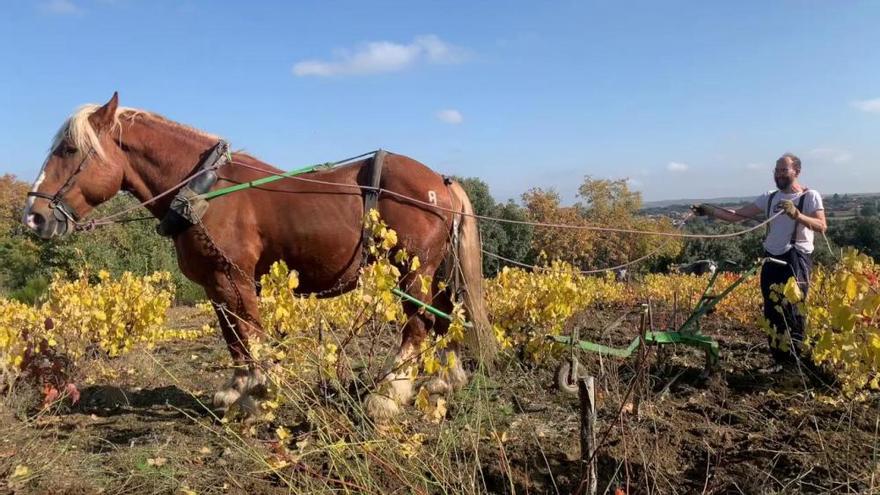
(27, 263)
(13, 194)
(741, 250)
(862, 233)
(19, 254)
(602, 203)
(608, 200)
(519, 236)
(573, 246)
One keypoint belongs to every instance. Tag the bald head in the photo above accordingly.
(790, 160)
(787, 170)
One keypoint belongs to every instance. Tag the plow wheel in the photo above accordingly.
(567, 376)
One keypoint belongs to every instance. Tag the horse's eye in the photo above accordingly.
(69, 150)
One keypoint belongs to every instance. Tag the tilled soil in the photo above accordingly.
(140, 427)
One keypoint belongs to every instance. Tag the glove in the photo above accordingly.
(700, 210)
(789, 208)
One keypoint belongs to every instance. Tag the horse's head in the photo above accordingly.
(84, 168)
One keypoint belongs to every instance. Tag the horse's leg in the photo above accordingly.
(236, 304)
(396, 388)
(455, 377)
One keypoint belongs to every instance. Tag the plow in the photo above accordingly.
(689, 333)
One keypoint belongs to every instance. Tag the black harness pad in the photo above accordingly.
(371, 195)
(374, 173)
(187, 208)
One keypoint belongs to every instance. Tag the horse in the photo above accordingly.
(314, 226)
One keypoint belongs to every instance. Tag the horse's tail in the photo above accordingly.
(468, 279)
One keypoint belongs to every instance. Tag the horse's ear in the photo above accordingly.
(104, 117)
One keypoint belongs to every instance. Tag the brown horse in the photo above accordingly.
(316, 228)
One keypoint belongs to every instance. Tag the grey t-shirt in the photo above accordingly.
(778, 239)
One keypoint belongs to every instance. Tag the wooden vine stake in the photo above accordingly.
(587, 395)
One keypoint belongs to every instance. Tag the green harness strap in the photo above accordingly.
(259, 182)
(272, 178)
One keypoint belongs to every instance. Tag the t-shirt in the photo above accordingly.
(778, 239)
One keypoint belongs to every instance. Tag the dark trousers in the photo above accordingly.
(800, 266)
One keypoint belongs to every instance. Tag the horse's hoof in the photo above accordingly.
(401, 389)
(438, 386)
(380, 408)
(225, 398)
(249, 407)
(457, 377)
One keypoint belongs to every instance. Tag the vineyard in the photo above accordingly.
(480, 248)
(105, 379)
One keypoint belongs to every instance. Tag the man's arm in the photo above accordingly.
(747, 212)
(815, 221)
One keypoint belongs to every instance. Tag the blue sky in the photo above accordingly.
(687, 99)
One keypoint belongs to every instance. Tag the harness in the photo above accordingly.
(374, 173)
(61, 210)
(191, 202)
(187, 208)
(189, 205)
(800, 208)
(371, 195)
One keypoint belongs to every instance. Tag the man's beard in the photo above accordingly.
(782, 182)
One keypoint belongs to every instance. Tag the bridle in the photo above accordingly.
(195, 183)
(62, 211)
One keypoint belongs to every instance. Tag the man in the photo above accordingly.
(790, 239)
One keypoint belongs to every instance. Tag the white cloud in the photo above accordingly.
(870, 106)
(62, 7)
(830, 155)
(756, 166)
(677, 167)
(382, 56)
(450, 116)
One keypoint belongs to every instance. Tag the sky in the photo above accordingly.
(686, 99)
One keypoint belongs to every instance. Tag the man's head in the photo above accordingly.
(787, 170)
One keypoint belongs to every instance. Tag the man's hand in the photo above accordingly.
(789, 208)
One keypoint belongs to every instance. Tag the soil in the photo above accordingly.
(140, 426)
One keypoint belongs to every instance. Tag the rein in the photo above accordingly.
(111, 219)
(210, 164)
(294, 174)
(63, 212)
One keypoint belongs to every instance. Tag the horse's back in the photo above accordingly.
(317, 226)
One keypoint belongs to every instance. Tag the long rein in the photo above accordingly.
(112, 219)
(295, 175)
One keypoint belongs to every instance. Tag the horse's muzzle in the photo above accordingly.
(44, 223)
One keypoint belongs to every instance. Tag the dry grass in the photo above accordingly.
(142, 427)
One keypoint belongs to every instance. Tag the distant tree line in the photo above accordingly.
(611, 203)
(600, 202)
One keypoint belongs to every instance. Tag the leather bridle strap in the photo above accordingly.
(56, 201)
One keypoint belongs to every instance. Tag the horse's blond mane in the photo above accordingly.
(79, 131)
